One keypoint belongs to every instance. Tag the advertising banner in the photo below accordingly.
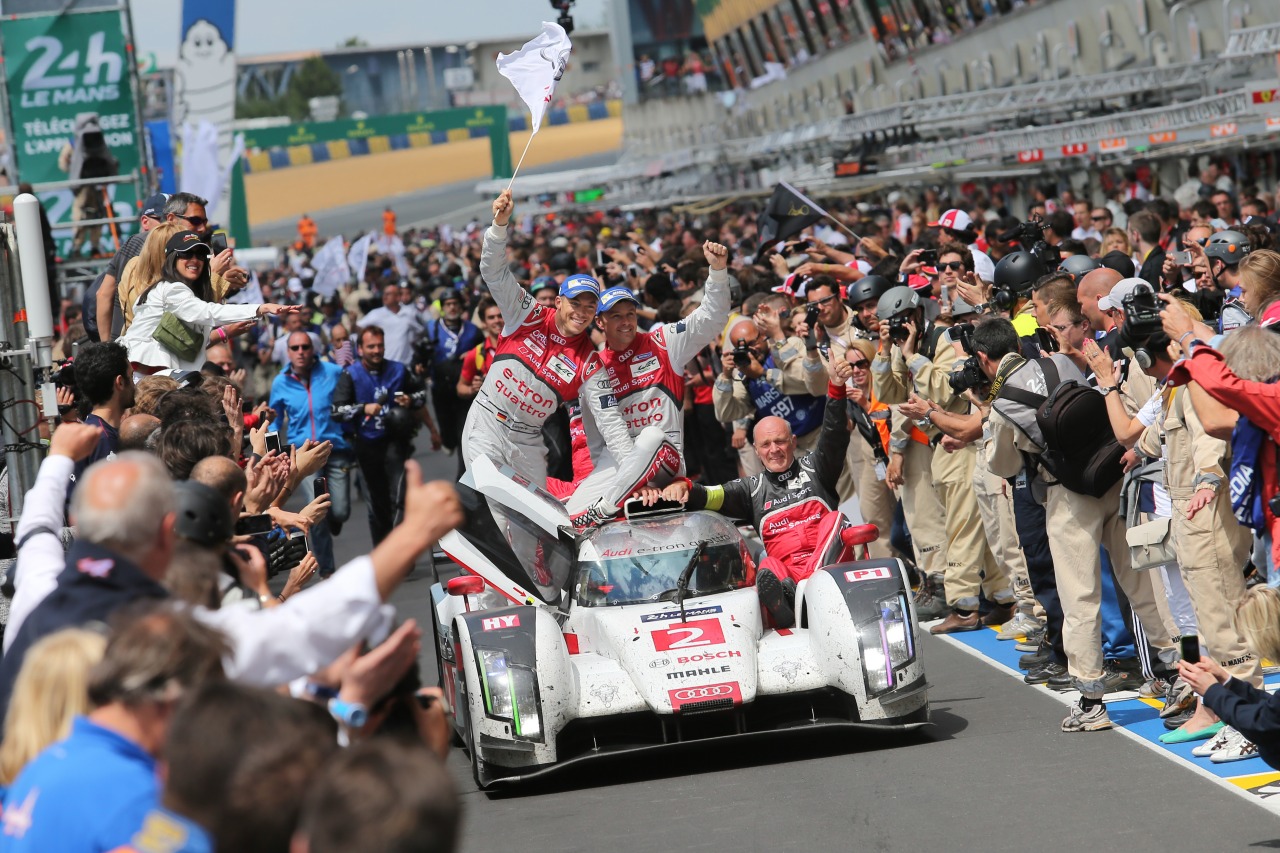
(205, 91)
(59, 67)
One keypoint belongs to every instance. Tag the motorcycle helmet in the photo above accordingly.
(1015, 274)
(895, 300)
(400, 424)
(1078, 266)
(865, 288)
(203, 515)
(1230, 247)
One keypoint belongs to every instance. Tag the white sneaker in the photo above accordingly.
(1224, 738)
(1238, 750)
(1019, 626)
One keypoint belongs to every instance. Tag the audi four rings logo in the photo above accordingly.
(692, 693)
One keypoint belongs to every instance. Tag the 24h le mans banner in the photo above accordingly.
(57, 67)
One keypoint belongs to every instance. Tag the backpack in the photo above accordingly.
(1081, 452)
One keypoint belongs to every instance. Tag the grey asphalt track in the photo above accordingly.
(411, 208)
(993, 774)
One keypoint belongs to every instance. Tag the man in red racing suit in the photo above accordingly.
(787, 503)
(647, 371)
(544, 358)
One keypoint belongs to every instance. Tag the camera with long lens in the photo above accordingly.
(1142, 330)
(1030, 236)
(898, 331)
(968, 376)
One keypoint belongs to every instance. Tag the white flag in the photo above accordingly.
(536, 68)
(358, 256)
(330, 264)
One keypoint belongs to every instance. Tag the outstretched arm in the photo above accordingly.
(514, 300)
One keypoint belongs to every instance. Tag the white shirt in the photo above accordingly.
(268, 647)
(176, 297)
(402, 329)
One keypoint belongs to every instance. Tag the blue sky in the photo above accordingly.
(272, 26)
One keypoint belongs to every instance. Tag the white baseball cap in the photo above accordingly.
(1115, 299)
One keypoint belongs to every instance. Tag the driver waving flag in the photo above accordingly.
(544, 359)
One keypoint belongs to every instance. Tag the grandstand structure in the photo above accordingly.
(1054, 88)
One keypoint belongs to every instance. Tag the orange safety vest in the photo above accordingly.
(389, 223)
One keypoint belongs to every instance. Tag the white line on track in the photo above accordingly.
(1271, 804)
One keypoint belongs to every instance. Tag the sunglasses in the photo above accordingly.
(823, 301)
(300, 347)
(1099, 218)
(954, 266)
(861, 364)
(197, 221)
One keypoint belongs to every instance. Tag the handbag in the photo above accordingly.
(184, 340)
(1151, 545)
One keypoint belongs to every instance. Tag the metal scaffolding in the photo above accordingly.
(1254, 41)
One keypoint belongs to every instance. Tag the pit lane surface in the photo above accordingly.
(993, 774)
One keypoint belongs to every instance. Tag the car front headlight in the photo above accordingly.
(510, 693)
(887, 644)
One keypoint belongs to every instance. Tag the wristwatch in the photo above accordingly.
(1104, 390)
(353, 715)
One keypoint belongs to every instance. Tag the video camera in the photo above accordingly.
(1030, 236)
(968, 376)
(1142, 330)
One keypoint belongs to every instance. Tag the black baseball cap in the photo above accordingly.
(186, 242)
(154, 206)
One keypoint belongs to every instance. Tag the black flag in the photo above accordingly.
(788, 213)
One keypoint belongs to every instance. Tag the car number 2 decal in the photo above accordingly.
(689, 635)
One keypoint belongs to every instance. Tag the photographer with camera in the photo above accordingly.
(767, 372)
(824, 308)
(1210, 543)
(1045, 427)
(994, 498)
(920, 357)
(448, 338)
(381, 401)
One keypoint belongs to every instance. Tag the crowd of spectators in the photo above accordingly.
(158, 634)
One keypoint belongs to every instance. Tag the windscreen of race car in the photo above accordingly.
(642, 561)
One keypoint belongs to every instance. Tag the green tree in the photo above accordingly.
(313, 79)
(354, 41)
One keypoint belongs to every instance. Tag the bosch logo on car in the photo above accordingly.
(705, 656)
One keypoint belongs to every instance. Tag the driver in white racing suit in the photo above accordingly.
(647, 372)
(544, 359)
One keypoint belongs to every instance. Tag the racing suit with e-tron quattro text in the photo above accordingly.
(648, 378)
(534, 370)
(788, 508)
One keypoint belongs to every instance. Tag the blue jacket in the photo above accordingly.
(450, 345)
(308, 407)
(90, 792)
(380, 387)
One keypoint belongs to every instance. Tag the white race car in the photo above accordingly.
(555, 647)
